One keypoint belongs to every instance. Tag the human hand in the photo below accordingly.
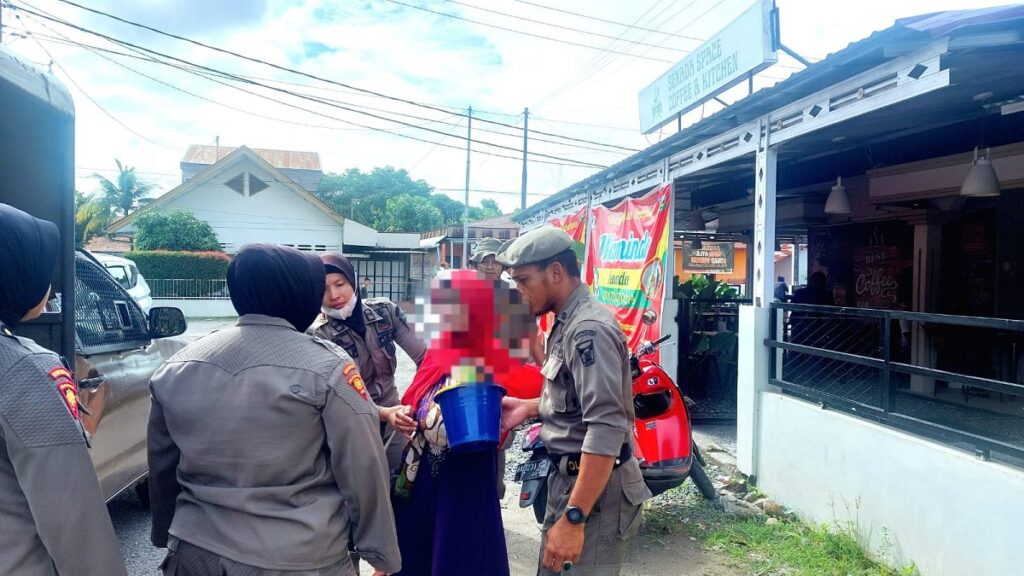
(400, 418)
(514, 412)
(565, 544)
(379, 572)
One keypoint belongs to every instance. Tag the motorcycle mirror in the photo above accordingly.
(649, 317)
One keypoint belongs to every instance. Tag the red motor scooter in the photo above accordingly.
(663, 443)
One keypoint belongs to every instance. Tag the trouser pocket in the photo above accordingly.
(631, 511)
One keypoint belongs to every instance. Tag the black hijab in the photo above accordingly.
(277, 281)
(28, 256)
(338, 264)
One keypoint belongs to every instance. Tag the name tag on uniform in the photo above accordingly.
(552, 366)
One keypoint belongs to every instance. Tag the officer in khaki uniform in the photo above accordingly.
(264, 447)
(368, 331)
(596, 491)
(52, 517)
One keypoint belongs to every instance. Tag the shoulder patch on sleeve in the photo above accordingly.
(67, 388)
(585, 350)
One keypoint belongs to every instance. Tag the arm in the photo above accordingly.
(361, 472)
(163, 474)
(48, 452)
(599, 384)
(407, 338)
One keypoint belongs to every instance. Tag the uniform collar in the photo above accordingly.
(4, 330)
(261, 320)
(574, 300)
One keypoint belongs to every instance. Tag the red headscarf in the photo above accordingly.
(481, 341)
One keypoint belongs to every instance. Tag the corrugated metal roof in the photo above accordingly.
(855, 58)
(296, 160)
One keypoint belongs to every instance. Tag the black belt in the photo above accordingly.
(572, 461)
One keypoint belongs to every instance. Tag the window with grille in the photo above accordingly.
(504, 234)
(106, 317)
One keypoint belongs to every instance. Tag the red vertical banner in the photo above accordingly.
(627, 260)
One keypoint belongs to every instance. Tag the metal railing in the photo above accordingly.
(189, 289)
(197, 289)
(955, 379)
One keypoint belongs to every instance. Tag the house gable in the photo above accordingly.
(247, 200)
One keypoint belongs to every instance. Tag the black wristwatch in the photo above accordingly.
(575, 515)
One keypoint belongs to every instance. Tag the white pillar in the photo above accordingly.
(755, 321)
(764, 225)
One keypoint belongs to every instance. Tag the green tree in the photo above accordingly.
(363, 197)
(127, 192)
(411, 214)
(92, 216)
(175, 230)
(489, 208)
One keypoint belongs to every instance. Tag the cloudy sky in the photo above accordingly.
(496, 56)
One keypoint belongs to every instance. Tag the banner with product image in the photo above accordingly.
(627, 260)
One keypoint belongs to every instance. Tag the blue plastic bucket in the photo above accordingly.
(472, 416)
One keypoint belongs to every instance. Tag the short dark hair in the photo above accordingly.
(782, 279)
(567, 258)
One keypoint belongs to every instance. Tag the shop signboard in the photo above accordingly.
(710, 258)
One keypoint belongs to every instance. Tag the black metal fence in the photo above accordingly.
(956, 379)
(708, 356)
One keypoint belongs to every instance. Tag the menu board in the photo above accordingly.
(876, 273)
(710, 258)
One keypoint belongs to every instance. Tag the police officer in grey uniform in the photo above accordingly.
(368, 331)
(596, 491)
(264, 447)
(52, 517)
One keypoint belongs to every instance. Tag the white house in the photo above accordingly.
(253, 195)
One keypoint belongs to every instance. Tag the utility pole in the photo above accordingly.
(465, 211)
(216, 145)
(526, 133)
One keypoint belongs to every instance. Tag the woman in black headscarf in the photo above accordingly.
(264, 450)
(51, 510)
(368, 330)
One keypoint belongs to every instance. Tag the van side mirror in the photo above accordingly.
(165, 322)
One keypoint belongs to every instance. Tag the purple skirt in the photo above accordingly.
(451, 523)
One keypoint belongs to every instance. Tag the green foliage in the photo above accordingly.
(704, 288)
(175, 230)
(365, 197)
(190, 265)
(92, 216)
(125, 192)
(411, 214)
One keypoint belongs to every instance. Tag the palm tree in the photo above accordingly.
(91, 218)
(127, 193)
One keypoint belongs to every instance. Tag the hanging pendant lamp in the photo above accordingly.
(838, 202)
(981, 181)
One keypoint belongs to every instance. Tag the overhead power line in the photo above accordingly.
(522, 32)
(556, 159)
(596, 19)
(559, 26)
(291, 70)
(90, 98)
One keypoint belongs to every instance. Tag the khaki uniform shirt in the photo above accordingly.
(587, 401)
(52, 516)
(264, 448)
(386, 325)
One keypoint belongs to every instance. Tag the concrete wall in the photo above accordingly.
(943, 509)
(200, 308)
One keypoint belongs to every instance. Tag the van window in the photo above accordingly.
(106, 317)
(122, 275)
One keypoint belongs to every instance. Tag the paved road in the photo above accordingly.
(132, 520)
